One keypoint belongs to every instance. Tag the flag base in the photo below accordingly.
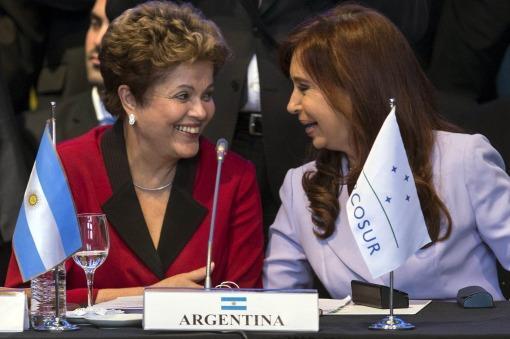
(57, 325)
(391, 323)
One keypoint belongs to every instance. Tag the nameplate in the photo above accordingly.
(13, 310)
(225, 309)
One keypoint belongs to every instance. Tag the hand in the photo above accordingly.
(188, 279)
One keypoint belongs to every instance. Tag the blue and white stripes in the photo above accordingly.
(47, 229)
(233, 304)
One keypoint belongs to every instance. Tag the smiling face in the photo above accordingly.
(175, 113)
(328, 128)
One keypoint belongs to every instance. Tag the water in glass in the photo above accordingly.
(95, 246)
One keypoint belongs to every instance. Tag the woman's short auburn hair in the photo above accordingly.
(143, 44)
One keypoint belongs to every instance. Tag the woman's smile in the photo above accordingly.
(192, 131)
(310, 128)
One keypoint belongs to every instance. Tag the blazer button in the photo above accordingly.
(235, 85)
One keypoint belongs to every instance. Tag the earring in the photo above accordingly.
(132, 119)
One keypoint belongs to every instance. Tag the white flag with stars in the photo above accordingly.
(383, 209)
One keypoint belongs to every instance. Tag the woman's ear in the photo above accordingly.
(127, 99)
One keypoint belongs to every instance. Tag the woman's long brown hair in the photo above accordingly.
(360, 51)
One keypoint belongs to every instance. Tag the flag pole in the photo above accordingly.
(53, 123)
(391, 295)
(56, 269)
(392, 105)
(59, 324)
(391, 322)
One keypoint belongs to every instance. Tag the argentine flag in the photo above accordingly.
(47, 230)
(234, 303)
(383, 209)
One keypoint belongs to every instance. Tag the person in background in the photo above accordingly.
(13, 176)
(78, 113)
(470, 44)
(63, 73)
(40, 43)
(152, 173)
(345, 65)
(468, 60)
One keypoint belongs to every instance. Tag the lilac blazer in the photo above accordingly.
(469, 177)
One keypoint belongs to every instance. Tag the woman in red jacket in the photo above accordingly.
(152, 173)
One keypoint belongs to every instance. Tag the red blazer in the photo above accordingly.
(97, 169)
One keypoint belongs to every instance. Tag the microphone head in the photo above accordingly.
(221, 149)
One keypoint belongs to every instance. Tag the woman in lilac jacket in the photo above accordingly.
(345, 65)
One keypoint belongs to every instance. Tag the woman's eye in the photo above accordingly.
(207, 96)
(302, 87)
(182, 96)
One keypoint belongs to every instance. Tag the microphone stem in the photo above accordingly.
(211, 229)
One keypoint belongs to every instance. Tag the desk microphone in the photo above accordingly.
(221, 152)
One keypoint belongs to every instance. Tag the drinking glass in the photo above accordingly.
(95, 245)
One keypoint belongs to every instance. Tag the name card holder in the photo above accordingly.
(220, 309)
(13, 310)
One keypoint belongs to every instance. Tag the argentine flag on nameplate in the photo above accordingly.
(233, 303)
(383, 209)
(47, 230)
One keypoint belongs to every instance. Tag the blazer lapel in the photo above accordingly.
(183, 213)
(343, 244)
(123, 209)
